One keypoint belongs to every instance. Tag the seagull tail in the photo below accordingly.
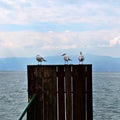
(44, 60)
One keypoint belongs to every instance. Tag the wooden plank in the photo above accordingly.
(89, 93)
(78, 93)
(35, 81)
(54, 94)
(38, 73)
(31, 86)
(31, 83)
(68, 76)
(61, 105)
(50, 93)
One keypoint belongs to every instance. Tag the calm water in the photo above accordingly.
(13, 94)
(106, 95)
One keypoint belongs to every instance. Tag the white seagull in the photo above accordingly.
(66, 57)
(81, 58)
(40, 59)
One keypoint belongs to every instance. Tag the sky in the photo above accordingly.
(51, 27)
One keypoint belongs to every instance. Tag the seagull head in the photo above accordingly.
(80, 53)
(37, 55)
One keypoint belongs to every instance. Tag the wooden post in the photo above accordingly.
(64, 92)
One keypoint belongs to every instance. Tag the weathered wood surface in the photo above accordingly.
(64, 92)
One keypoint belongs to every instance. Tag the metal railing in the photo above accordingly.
(33, 100)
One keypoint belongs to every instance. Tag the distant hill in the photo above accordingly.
(99, 63)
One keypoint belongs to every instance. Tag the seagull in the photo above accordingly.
(81, 58)
(40, 59)
(66, 57)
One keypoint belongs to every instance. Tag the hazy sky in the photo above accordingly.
(51, 27)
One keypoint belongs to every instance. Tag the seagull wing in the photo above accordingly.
(43, 59)
(69, 59)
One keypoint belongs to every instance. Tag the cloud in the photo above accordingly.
(115, 41)
(29, 43)
(31, 26)
(27, 12)
(59, 47)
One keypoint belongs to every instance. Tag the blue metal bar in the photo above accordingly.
(27, 108)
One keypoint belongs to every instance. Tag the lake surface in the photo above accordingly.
(106, 95)
(13, 94)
